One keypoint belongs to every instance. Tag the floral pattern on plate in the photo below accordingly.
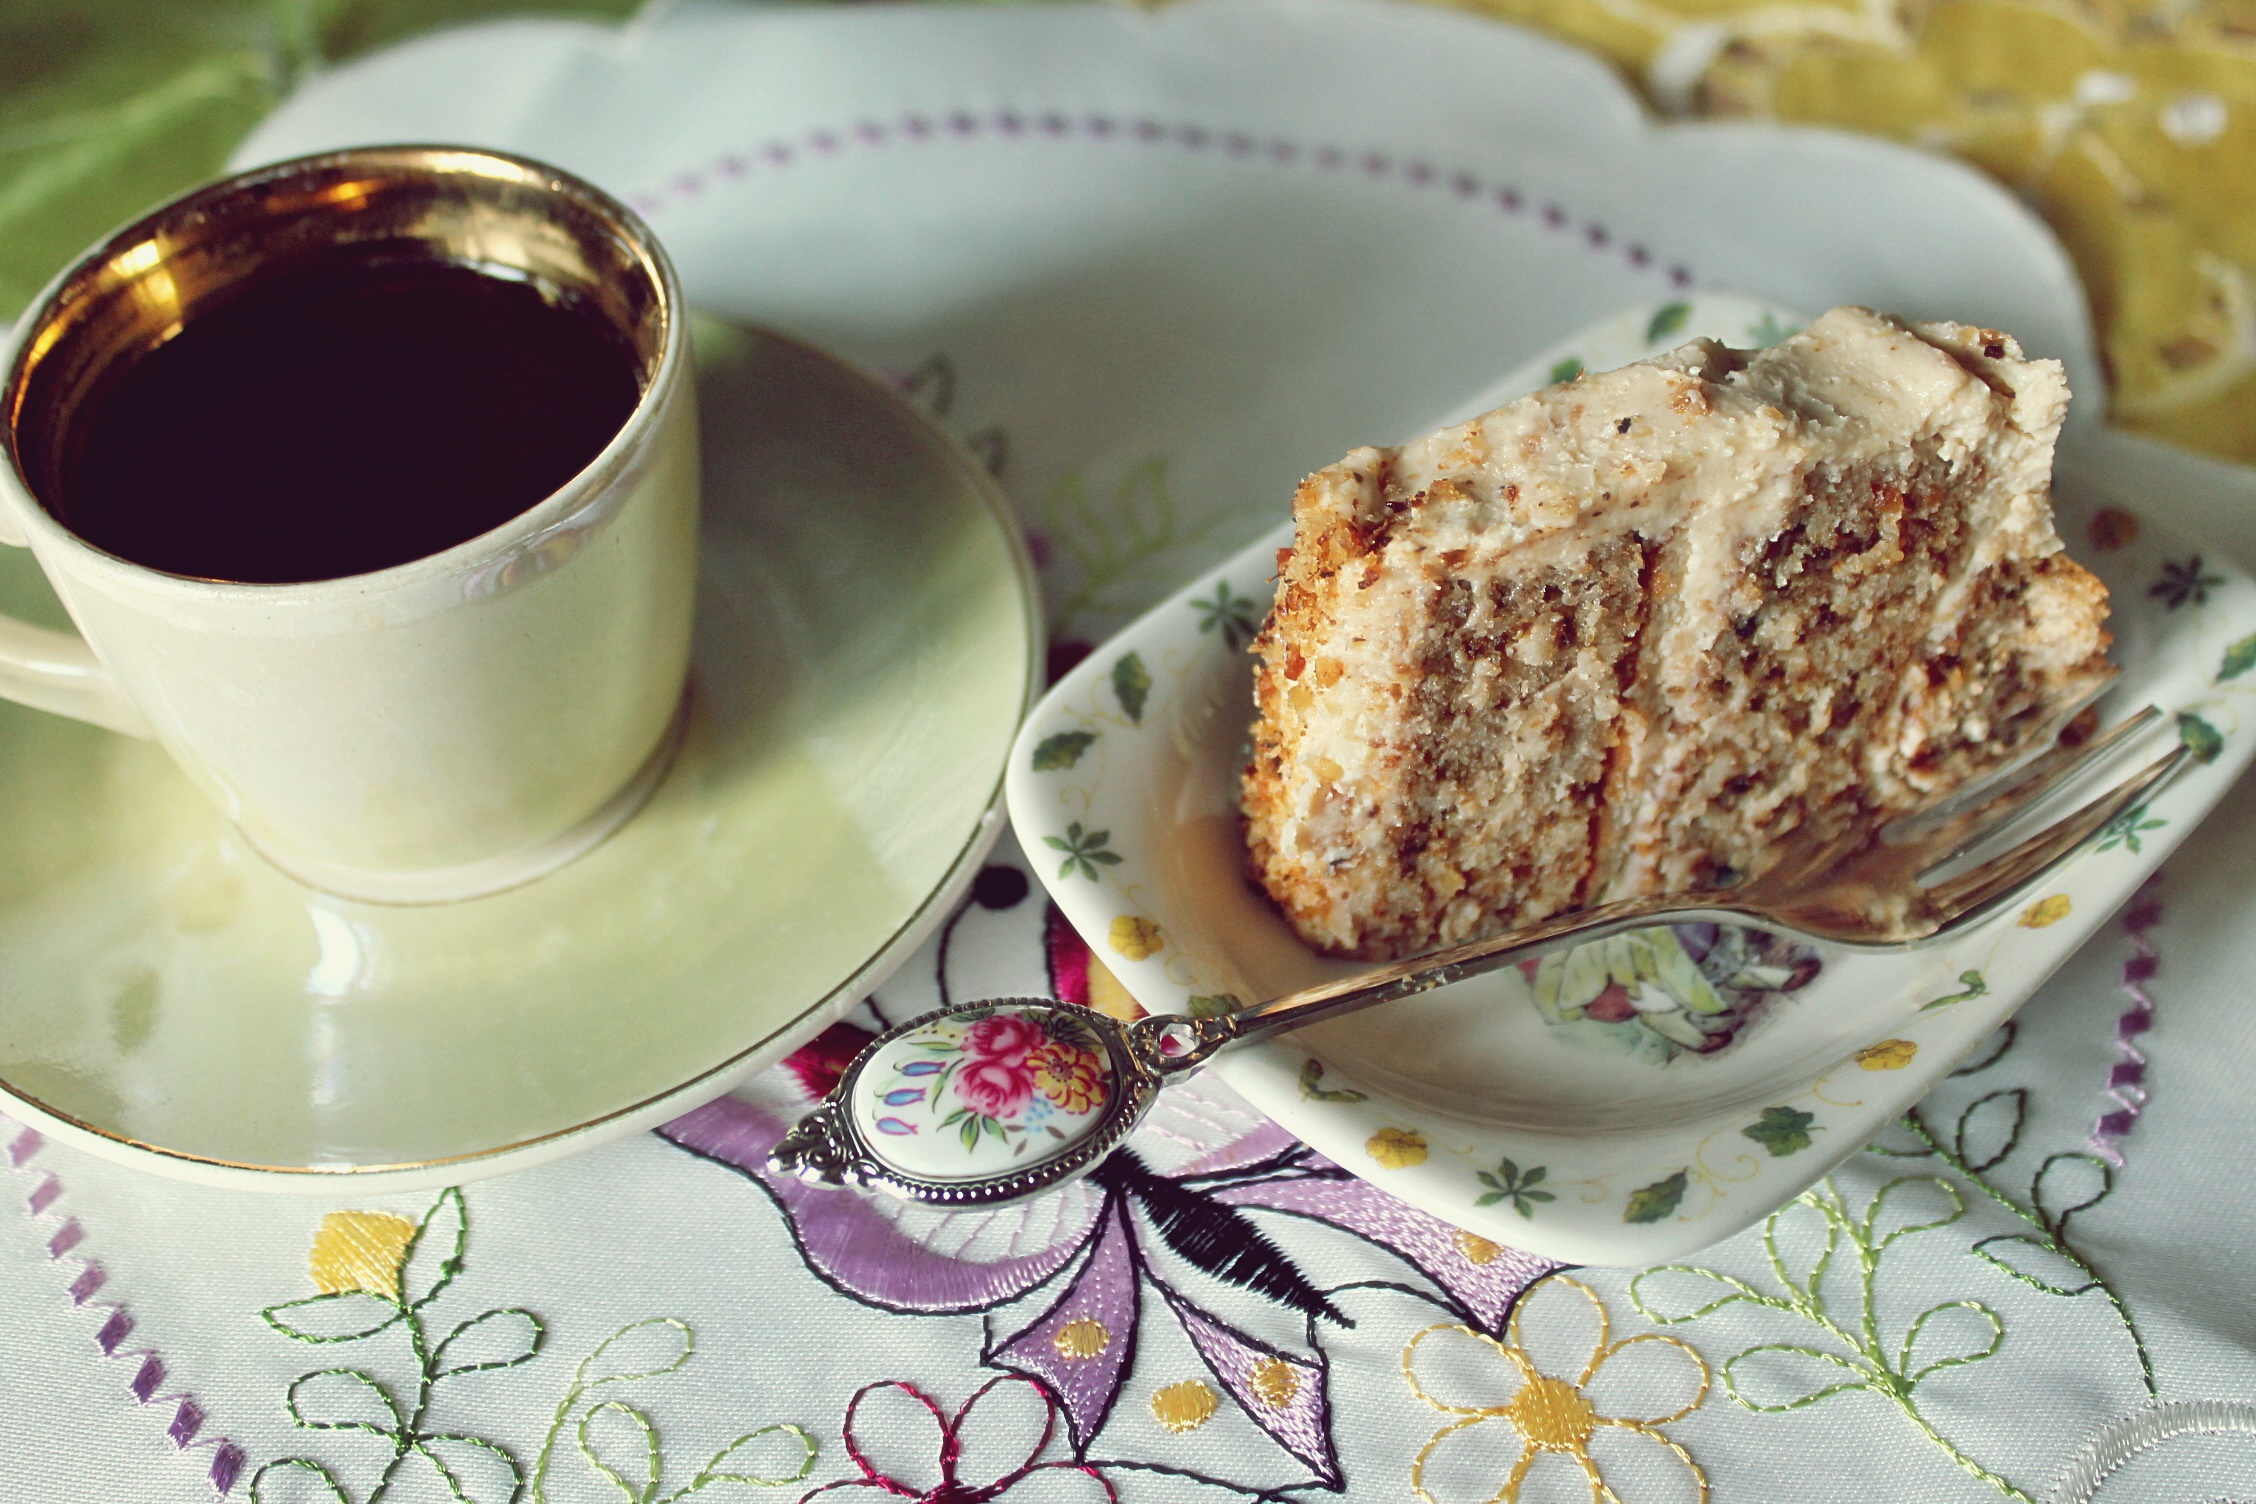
(1671, 990)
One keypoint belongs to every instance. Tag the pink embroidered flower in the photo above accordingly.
(950, 1476)
(995, 1087)
(819, 1062)
(1007, 1037)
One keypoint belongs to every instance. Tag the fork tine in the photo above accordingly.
(1972, 895)
(1951, 828)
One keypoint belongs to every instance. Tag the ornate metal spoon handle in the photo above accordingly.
(1168, 1046)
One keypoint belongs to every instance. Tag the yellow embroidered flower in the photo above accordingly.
(1071, 1077)
(1185, 1406)
(1275, 1383)
(1397, 1148)
(1887, 1055)
(2045, 911)
(1572, 1420)
(1477, 1249)
(1135, 937)
(1081, 1339)
(359, 1251)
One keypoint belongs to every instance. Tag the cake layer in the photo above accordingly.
(1621, 636)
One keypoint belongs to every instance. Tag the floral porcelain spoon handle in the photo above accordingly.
(993, 1101)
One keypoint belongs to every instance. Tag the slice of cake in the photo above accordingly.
(1623, 635)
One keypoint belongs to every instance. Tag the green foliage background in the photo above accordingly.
(108, 106)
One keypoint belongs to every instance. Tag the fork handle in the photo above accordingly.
(1191, 1042)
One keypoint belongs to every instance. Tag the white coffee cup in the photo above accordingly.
(453, 725)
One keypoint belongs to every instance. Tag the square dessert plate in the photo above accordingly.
(1633, 1099)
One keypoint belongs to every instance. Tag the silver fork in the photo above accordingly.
(1861, 890)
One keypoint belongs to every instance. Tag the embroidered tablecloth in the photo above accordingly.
(2036, 1288)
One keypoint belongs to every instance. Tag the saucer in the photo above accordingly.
(1634, 1099)
(867, 639)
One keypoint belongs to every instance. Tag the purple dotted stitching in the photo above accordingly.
(1015, 125)
(2126, 1079)
(149, 1372)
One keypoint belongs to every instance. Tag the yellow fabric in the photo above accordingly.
(2130, 127)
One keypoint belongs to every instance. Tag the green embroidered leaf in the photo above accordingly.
(436, 1254)
(1566, 370)
(1971, 984)
(1672, 1293)
(337, 1494)
(1884, 1221)
(1895, 1141)
(2239, 659)
(1786, 1245)
(2066, 1176)
(1131, 685)
(1967, 1315)
(2205, 740)
(727, 1464)
(1062, 750)
(1653, 1202)
(1781, 1130)
(2040, 1267)
(1311, 1074)
(969, 1133)
(1786, 1377)
(342, 1399)
(639, 1350)
(634, 1441)
(491, 1339)
(1990, 1127)
(1220, 1005)
(344, 1316)
(474, 1469)
(1667, 319)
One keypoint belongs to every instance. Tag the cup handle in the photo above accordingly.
(57, 671)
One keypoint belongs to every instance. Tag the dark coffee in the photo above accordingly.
(341, 418)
